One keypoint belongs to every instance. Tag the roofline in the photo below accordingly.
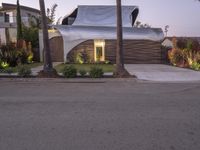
(136, 10)
(107, 5)
(8, 6)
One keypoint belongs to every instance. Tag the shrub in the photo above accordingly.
(197, 57)
(23, 56)
(1, 67)
(176, 56)
(182, 43)
(9, 54)
(13, 56)
(69, 71)
(195, 66)
(9, 70)
(82, 57)
(96, 72)
(107, 62)
(82, 73)
(24, 71)
(189, 44)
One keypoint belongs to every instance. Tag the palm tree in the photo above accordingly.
(19, 23)
(120, 71)
(48, 67)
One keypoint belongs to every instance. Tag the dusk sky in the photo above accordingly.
(183, 16)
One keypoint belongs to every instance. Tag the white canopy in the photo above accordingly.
(104, 15)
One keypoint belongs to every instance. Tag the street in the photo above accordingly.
(111, 114)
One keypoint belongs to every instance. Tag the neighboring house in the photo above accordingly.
(167, 42)
(93, 29)
(8, 24)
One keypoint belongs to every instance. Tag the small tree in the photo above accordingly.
(51, 13)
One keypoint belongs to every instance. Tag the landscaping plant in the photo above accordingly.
(96, 72)
(186, 53)
(24, 71)
(69, 71)
(82, 72)
(82, 57)
(9, 55)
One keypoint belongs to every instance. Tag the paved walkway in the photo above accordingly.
(159, 72)
(39, 68)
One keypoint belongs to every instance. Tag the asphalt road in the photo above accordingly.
(99, 115)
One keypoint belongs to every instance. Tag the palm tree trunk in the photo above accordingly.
(47, 53)
(120, 70)
(119, 56)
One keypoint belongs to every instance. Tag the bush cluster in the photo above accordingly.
(13, 56)
(96, 72)
(186, 53)
(24, 71)
(69, 71)
(82, 73)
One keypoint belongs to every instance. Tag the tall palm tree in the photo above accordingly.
(120, 71)
(19, 22)
(48, 67)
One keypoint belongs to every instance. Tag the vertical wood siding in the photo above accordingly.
(57, 49)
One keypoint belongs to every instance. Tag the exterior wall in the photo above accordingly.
(2, 36)
(26, 16)
(11, 35)
(135, 51)
(52, 34)
(57, 50)
(87, 46)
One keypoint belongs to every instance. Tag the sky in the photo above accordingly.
(182, 16)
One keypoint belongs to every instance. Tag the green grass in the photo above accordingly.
(86, 67)
(14, 69)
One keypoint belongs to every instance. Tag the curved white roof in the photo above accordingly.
(105, 15)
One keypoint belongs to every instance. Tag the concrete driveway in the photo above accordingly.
(160, 72)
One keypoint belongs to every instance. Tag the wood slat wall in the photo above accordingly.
(135, 51)
(87, 46)
(57, 49)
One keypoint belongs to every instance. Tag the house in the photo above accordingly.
(8, 23)
(92, 29)
(167, 43)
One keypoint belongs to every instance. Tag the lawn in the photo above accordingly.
(86, 67)
(14, 69)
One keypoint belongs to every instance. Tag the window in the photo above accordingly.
(7, 18)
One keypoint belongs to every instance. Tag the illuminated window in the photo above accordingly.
(99, 50)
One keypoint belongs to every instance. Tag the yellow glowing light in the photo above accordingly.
(52, 30)
(4, 64)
